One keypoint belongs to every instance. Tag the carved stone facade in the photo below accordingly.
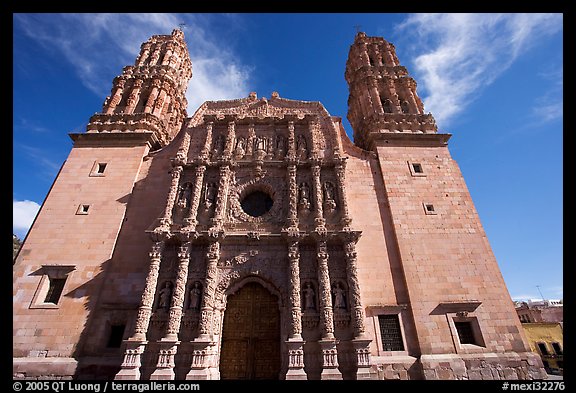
(360, 280)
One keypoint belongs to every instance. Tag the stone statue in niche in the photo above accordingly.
(185, 196)
(165, 296)
(219, 145)
(301, 147)
(260, 143)
(304, 196)
(196, 296)
(210, 192)
(308, 297)
(329, 196)
(240, 149)
(280, 146)
(339, 294)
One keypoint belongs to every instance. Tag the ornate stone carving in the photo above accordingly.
(164, 296)
(339, 297)
(195, 296)
(301, 147)
(240, 149)
(324, 290)
(212, 256)
(329, 197)
(304, 197)
(145, 310)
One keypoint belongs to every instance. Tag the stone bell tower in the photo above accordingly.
(150, 95)
(383, 96)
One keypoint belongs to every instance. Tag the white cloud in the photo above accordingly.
(99, 45)
(24, 213)
(460, 54)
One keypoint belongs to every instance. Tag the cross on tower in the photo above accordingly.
(357, 27)
(181, 25)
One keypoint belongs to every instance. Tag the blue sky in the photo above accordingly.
(494, 81)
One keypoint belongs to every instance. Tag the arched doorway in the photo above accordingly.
(251, 335)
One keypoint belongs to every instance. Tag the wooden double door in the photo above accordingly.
(251, 335)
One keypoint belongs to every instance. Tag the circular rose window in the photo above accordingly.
(256, 203)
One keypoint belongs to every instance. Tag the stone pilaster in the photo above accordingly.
(362, 352)
(116, 97)
(134, 96)
(319, 220)
(205, 153)
(175, 314)
(221, 199)
(156, 83)
(166, 220)
(295, 360)
(326, 315)
(292, 223)
(208, 298)
(135, 345)
(291, 154)
(230, 137)
(353, 285)
(295, 310)
(190, 220)
(165, 364)
(340, 168)
(376, 99)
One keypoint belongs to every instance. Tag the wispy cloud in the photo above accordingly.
(38, 155)
(464, 53)
(24, 213)
(27, 125)
(85, 39)
(550, 105)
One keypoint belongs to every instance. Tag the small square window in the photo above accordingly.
(416, 169)
(98, 169)
(51, 286)
(83, 209)
(429, 208)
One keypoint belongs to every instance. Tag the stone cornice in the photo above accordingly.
(90, 139)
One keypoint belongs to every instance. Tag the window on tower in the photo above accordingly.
(387, 105)
(405, 107)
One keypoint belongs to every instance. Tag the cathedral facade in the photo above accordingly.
(255, 240)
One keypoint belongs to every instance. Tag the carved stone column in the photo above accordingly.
(295, 343)
(144, 53)
(204, 345)
(326, 315)
(293, 199)
(152, 97)
(295, 311)
(353, 285)
(134, 96)
(208, 298)
(136, 344)
(319, 220)
(221, 197)
(190, 220)
(159, 103)
(340, 168)
(363, 362)
(166, 220)
(177, 304)
(250, 140)
(169, 344)
(116, 97)
(376, 99)
(291, 154)
(230, 137)
(329, 360)
(205, 153)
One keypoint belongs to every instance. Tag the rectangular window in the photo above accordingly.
(116, 336)
(543, 349)
(416, 169)
(98, 169)
(429, 208)
(557, 349)
(83, 209)
(56, 286)
(390, 332)
(465, 332)
(51, 286)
